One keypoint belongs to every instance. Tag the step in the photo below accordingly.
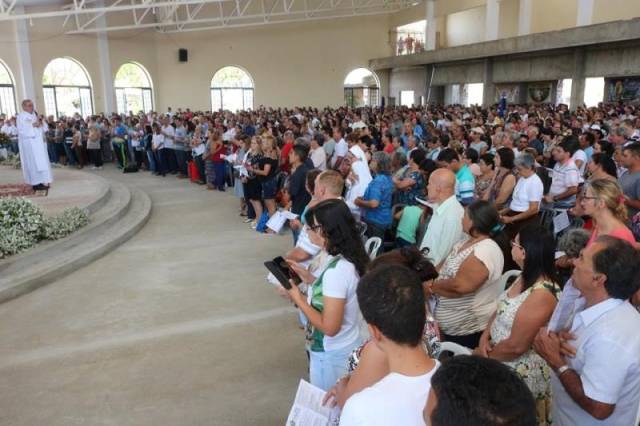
(88, 245)
(114, 206)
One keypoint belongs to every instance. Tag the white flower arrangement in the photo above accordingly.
(23, 225)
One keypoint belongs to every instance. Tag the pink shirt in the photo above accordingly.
(623, 233)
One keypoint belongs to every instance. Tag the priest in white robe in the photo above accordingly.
(33, 150)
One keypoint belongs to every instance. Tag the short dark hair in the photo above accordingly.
(301, 151)
(472, 155)
(391, 298)
(634, 148)
(417, 156)
(477, 391)
(607, 163)
(488, 159)
(570, 144)
(618, 261)
(448, 155)
(507, 158)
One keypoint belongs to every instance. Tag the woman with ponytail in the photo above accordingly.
(603, 200)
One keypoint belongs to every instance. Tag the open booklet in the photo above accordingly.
(308, 410)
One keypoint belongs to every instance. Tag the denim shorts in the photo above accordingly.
(270, 188)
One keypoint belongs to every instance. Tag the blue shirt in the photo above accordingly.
(121, 131)
(380, 189)
(465, 185)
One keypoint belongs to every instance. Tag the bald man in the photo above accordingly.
(33, 150)
(445, 227)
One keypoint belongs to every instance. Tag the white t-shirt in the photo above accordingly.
(527, 190)
(158, 140)
(580, 155)
(341, 149)
(319, 158)
(169, 135)
(394, 400)
(341, 282)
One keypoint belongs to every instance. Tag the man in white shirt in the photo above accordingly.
(597, 362)
(565, 177)
(9, 128)
(341, 149)
(392, 303)
(445, 227)
(317, 154)
(169, 134)
(34, 158)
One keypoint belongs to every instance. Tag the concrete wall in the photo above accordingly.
(468, 72)
(613, 10)
(296, 64)
(550, 15)
(9, 56)
(609, 62)
(408, 79)
(291, 64)
(465, 27)
(509, 10)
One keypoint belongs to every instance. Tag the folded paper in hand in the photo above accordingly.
(307, 409)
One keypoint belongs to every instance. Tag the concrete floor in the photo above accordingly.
(175, 327)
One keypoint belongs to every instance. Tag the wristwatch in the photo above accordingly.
(562, 369)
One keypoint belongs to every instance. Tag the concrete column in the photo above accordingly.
(108, 91)
(578, 83)
(524, 17)
(489, 88)
(585, 12)
(430, 34)
(492, 21)
(24, 59)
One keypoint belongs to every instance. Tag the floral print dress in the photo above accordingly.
(530, 366)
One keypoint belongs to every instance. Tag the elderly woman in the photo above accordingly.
(412, 184)
(468, 285)
(526, 198)
(377, 199)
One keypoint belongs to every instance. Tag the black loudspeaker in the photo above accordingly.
(183, 55)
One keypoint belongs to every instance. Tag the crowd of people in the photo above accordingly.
(509, 234)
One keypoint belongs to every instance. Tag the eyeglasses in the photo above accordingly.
(313, 228)
(514, 244)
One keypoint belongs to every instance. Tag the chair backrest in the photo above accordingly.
(372, 246)
(505, 278)
(454, 348)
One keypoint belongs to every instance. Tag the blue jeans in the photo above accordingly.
(71, 156)
(181, 160)
(219, 177)
(51, 150)
(152, 161)
(325, 368)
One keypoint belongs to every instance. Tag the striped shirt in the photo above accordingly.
(470, 313)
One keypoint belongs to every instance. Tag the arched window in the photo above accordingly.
(361, 88)
(67, 89)
(7, 92)
(231, 89)
(133, 89)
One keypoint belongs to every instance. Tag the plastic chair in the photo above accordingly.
(372, 246)
(505, 278)
(454, 348)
